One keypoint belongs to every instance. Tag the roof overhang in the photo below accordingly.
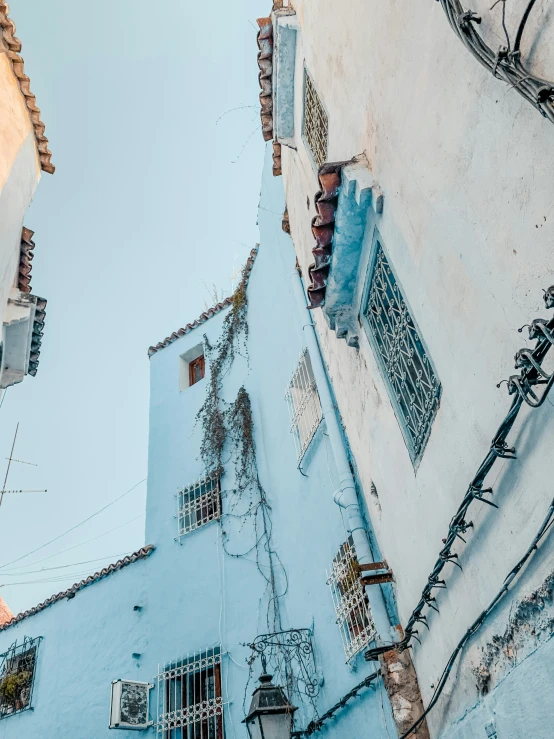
(11, 46)
(21, 337)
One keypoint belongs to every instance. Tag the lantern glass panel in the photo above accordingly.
(273, 726)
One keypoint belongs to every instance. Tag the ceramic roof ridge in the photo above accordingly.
(205, 315)
(74, 589)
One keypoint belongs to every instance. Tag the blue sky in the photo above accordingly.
(154, 198)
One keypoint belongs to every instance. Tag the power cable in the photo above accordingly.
(81, 523)
(61, 567)
(505, 63)
(512, 575)
(75, 546)
(521, 386)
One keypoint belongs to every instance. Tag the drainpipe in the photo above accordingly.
(346, 496)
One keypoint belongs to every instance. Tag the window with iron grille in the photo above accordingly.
(190, 701)
(316, 123)
(409, 373)
(17, 676)
(304, 405)
(199, 504)
(354, 617)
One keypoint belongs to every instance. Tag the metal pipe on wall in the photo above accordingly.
(346, 496)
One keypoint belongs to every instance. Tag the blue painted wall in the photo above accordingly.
(192, 595)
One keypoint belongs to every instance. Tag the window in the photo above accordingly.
(190, 702)
(316, 123)
(17, 676)
(199, 504)
(192, 367)
(304, 405)
(196, 370)
(412, 382)
(351, 602)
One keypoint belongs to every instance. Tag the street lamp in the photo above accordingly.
(271, 714)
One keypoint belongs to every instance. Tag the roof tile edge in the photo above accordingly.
(206, 315)
(12, 47)
(70, 592)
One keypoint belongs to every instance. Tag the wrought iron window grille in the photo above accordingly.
(198, 504)
(304, 405)
(289, 655)
(410, 376)
(190, 700)
(17, 676)
(352, 609)
(316, 122)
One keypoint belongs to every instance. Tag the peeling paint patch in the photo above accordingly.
(530, 623)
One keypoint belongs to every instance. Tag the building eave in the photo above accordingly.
(11, 46)
(74, 589)
(203, 317)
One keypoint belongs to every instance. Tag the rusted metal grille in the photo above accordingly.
(316, 123)
(412, 381)
(304, 405)
(354, 617)
(17, 676)
(190, 701)
(199, 504)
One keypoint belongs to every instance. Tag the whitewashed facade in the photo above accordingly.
(449, 176)
(24, 154)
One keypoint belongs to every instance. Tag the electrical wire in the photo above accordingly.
(506, 63)
(61, 567)
(512, 575)
(81, 523)
(75, 546)
(522, 387)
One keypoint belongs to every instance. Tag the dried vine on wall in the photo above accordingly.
(228, 436)
(232, 342)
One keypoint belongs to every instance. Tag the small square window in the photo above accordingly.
(199, 504)
(316, 122)
(192, 367)
(196, 370)
(17, 676)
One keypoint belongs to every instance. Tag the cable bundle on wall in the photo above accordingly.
(506, 63)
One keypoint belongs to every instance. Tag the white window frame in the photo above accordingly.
(181, 674)
(354, 617)
(198, 504)
(304, 405)
(310, 122)
(184, 366)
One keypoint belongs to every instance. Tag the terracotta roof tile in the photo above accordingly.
(265, 78)
(203, 317)
(70, 592)
(323, 228)
(25, 259)
(11, 45)
(36, 339)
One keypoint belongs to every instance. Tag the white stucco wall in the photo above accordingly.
(19, 174)
(466, 167)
